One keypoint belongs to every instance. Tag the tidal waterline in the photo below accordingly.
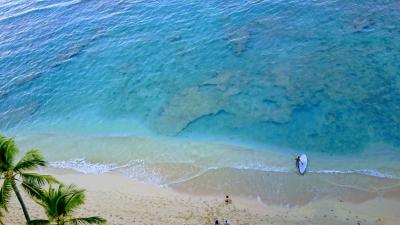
(272, 77)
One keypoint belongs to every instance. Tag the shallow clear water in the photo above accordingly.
(320, 77)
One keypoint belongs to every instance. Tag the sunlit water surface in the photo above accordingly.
(146, 87)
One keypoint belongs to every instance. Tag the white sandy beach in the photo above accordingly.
(124, 201)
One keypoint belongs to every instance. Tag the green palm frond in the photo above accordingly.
(34, 191)
(61, 194)
(60, 203)
(31, 160)
(39, 222)
(12, 172)
(37, 179)
(74, 199)
(2, 152)
(85, 221)
(65, 199)
(5, 193)
(50, 199)
(8, 151)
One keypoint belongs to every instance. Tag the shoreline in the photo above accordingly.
(124, 201)
(152, 151)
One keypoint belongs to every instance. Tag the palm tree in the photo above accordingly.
(59, 205)
(13, 173)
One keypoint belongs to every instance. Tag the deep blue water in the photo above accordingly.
(313, 75)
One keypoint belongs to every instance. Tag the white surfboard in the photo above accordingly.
(303, 164)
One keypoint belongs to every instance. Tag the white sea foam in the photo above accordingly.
(141, 171)
(368, 172)
(266, 168)
(260, 167)
(81, 165)
(136, 169)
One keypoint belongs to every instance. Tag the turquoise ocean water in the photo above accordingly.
(99, 85)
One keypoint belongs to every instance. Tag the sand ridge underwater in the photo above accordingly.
(174, 92)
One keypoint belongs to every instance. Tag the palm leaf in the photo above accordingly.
(34, 191)
(31, 160)
(37, 179)
(50, 199)
(39, 222)
(3, 148)
(74, 199)
(8, 150)
(66, 199)
(5, 193)
(60, 202)
(87, 220)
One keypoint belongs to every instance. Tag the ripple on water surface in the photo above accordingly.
(314, 76)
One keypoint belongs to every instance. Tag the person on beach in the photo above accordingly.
(227, 200)
(216, 222)
(226, 222)
(297, 161)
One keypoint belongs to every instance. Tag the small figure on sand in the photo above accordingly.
(216, 222)
(297, 161)
(228, 200)
(226, 222)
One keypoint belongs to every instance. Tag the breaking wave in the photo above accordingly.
(145, 172)
(136, 169)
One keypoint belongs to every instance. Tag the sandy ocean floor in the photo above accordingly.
(124, 201)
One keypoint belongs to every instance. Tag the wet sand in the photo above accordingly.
(290, 189)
